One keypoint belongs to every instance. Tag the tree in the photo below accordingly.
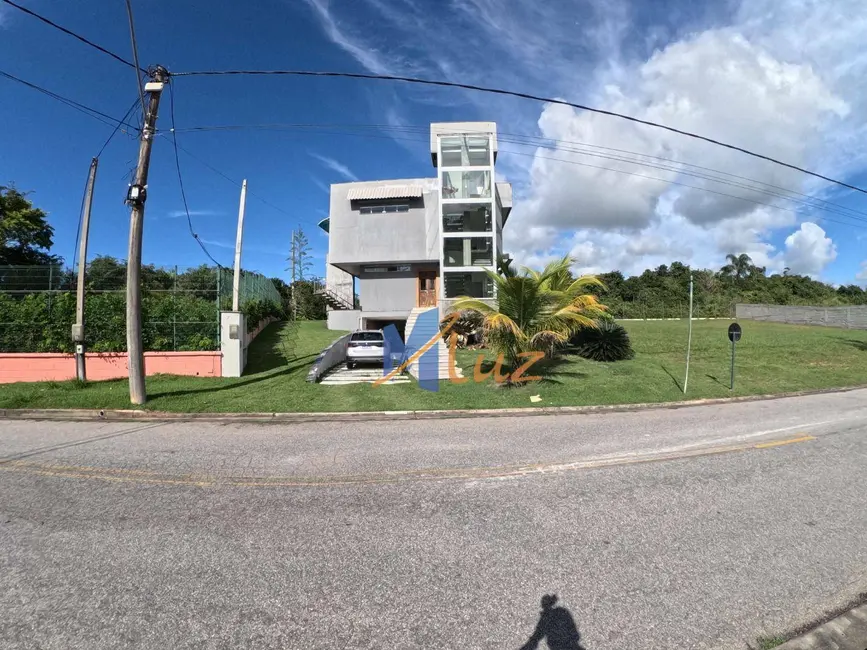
(299, 263)
(535, 311)
(739, 266)
(25, 234)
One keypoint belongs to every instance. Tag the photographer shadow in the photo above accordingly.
(556, 626)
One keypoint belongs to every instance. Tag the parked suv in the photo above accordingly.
(365, 346)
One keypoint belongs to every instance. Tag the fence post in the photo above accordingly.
(175, 311)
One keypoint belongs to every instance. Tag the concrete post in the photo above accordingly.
(233, 337)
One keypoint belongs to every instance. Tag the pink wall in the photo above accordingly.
(25, 366)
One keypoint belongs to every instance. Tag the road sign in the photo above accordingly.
(734, 332)
(734, 337)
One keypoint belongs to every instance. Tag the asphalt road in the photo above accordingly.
(701, 527)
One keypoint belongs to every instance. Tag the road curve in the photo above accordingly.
(700, 527)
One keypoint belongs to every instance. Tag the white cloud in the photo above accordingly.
(178, 214)
(336, 166)
(366, 56)
(862, 273)
(808, 250)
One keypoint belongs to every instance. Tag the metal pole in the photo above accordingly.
(78, 327)
(236, 284)
(688, 337)
(732, 385)
(136, 198)
(175, 311)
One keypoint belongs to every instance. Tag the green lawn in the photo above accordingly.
(771, 358)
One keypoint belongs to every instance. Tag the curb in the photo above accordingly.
(356, 416)
(846, 632)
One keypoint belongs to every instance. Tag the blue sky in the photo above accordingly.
(780, 77)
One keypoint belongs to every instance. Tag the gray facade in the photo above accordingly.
(358, 238)
(422, 242)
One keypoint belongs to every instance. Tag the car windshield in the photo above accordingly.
(367, 336)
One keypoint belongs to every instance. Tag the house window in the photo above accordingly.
(466, 217)
(468, 251)
(466, 150)
(467, 185)
(475, 284)
(399, 268)
(383, 209)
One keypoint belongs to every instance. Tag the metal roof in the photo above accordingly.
(385, 192)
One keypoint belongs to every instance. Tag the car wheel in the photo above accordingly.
(349, 365)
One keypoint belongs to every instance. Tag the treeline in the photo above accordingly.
(664, 292)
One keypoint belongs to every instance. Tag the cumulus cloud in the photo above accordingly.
(809, 250)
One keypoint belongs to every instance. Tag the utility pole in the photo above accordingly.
(136, 198)
(236, 283)
(78, 327)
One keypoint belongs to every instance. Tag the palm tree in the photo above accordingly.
(738, 267)
(535, 310)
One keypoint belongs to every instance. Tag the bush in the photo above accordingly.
(258, 310)
(468, 327)
(606, 342)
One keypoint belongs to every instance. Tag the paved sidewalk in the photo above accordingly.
(846, 632)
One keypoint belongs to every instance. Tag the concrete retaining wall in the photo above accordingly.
(854, 317)
(331, 356)
(50, 366)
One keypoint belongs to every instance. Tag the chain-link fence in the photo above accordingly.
(180, 306)
(253, 286)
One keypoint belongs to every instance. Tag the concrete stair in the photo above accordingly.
(424, 331)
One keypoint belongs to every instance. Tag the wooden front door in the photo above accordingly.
(427, 289)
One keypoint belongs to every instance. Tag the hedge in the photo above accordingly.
(170, 321)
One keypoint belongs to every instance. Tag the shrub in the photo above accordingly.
(258, 310)
(468, 327)
(606, 342)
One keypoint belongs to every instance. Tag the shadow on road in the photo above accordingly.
(556, 626)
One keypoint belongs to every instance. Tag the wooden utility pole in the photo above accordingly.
(136, 198)
(236, 282)
(78, 327)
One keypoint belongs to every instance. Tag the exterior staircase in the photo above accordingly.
(424, 331)
(332, 299)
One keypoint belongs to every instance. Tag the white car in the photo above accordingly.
(365, 346)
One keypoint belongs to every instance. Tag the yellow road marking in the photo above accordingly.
(123, 475)
(778, 443)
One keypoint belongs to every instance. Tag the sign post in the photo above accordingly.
(734, 337)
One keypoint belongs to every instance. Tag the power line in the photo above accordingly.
(512, 93)
(181, 180)
(744, 186)
(116, 128)
(135, 53)
(232, 180)
(92, 112)
(73, 34)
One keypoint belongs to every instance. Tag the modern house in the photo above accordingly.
(411, 245)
